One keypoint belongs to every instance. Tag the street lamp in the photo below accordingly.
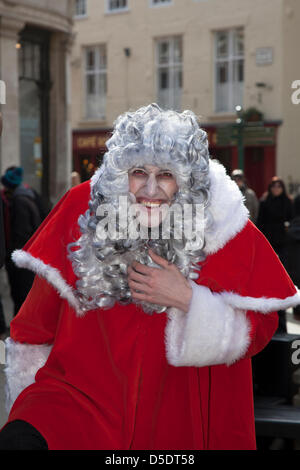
(240, 127)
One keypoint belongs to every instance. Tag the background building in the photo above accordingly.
(34, 48)
(206, 55)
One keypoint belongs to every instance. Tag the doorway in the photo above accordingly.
(34, 88)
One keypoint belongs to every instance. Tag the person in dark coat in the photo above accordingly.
(3, 327)
(21, 219)
(274, 215)
(293, 248)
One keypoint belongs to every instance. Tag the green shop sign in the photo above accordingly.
(250, 135)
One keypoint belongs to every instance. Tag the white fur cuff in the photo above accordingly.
(211, 333)
(22, 363)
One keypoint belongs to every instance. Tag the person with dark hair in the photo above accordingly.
(274, 215)
(293, 249)
(3, 327)
(21, 219)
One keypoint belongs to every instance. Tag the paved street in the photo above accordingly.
(293, 327)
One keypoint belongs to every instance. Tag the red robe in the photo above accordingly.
(114, 378)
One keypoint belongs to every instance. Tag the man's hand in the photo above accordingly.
(165, 286)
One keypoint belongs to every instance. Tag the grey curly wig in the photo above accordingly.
(151, 136)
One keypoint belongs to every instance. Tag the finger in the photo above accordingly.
(141, 268)
(135, 276)
(134, 286)
(141, 296)
(145, 298)
(158, 259)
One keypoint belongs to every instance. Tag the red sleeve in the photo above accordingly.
(262, 330)
(37, 320)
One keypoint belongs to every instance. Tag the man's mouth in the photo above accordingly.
(150, 203)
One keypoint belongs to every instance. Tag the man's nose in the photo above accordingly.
(151, 185)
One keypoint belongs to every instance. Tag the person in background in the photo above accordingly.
(274, 216)
(75, 179)
(251, 201)
(2, 238)
(3, 327)
(293, 249)
(21, 219)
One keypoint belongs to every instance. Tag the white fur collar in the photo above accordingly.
(227, 208)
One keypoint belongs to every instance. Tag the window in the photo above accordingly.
(169, 72)
(154, 3)
(117, 5)
(80, 8)
(95, 82)
(229, 69)
(29, 61)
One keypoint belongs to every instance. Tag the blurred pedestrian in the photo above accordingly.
(75, 178)
(275, 213)
(293, 248)
(21, 219)
(251, 201)
(3, 327)
(274, 216)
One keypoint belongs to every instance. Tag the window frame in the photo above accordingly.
(114, 11)
(78, 16)
(230, 59)
(97, 71)
(172, 66)
(160, 4)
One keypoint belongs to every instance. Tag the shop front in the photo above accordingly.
(256, 141)
(88, 150)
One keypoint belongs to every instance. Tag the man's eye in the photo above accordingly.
(166, 174)
(138, 173)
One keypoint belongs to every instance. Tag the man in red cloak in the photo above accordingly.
(134, 343)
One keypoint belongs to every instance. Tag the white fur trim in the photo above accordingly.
(211, 333)
(261, 304)
(227, 208)
(22, 363)
(52, 275)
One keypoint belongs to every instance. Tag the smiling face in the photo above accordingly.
(153, 188)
